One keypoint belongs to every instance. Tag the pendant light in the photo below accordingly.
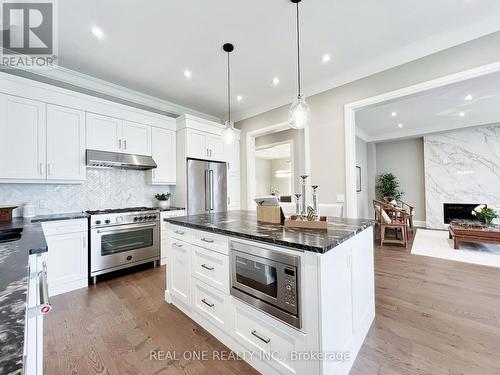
(299, 113)
(228, 134)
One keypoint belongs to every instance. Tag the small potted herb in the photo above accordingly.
(163, 200)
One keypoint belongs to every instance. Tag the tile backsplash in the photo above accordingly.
(103, 188)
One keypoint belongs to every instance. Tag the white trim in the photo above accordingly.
(420, 224)
(84, 81)
(350, 120)
(361, 134)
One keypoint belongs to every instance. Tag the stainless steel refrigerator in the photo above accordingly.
(206, 187)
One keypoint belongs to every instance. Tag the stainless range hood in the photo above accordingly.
(103, 159)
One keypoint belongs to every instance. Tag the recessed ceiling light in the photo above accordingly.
(187, 74)
(276, 81)
(239, 98)
(400, 126)
(97, 32)
(468, 97)
(462, 114)
(394, 114)
(325, 58)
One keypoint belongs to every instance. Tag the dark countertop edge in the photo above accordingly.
(268, 240)
(59, 217)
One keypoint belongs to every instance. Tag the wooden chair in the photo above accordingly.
(406, 212)
(390, 218)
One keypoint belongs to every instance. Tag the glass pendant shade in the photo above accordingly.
(299, 113)
(228, 134)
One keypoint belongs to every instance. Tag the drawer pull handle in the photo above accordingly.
(179, 232)
(207, 303)
(260, 337)
(207, 240)
(177, 245)
(207, 267)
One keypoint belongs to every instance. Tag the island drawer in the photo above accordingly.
(180, 232)
(212, 241)
(211, 304)
(211, 267)
(261, 334)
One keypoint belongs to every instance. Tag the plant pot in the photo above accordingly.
(164, 204)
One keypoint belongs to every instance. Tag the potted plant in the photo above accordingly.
(484, 214)
(163, 200)
(388, 187)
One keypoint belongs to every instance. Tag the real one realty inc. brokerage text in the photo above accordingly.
(228, 355)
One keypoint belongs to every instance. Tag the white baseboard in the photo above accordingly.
(420, 224)
(54, 290)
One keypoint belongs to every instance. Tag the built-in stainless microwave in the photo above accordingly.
(267, 279)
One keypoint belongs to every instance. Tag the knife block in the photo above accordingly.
(270, 214)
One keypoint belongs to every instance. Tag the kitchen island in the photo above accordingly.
(288, 301)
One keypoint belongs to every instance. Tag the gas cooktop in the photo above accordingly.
(119, 210)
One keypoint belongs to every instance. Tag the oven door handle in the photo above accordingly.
(127, 229)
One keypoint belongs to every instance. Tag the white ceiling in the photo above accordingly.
(282, 151)
(434, 110)
(147, 44)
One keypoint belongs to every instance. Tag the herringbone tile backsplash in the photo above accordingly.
(104, 188)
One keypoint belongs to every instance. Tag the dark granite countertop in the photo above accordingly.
(13, 291)
(170, 209)
(244, 224)
(58, 217)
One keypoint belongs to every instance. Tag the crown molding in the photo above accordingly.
(111, 90)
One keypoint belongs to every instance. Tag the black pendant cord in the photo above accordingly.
(229, 87)
(298, 50)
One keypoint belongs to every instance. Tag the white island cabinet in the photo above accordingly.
(336, 297)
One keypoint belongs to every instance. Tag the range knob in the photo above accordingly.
(140, 218)
(136, 218)
(98, 222)
(119, 219)
(107, 221)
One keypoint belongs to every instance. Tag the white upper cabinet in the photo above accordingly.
(197, 144)
(104, 133)
(22, 138)
(164, 154)
(136, 138)
(216, 147)
(233, 157)
(65, 143)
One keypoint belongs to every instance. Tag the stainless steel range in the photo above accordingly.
(123, 238)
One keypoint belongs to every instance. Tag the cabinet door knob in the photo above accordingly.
(119, 143)
(41, 169)
(124, 144)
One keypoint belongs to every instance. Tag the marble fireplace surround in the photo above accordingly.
(461, 166)
(103, 188)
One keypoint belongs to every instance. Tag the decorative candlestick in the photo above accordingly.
(315, 201)
(297, 205)
(304, 201)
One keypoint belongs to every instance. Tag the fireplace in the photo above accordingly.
(458, 211)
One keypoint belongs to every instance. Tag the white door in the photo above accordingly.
(136, 138)
(197, 144)
(104, 133)
(216, 147)
(163, 150)
(233, 157)
(233, 192)
(22, 138)
(68, 260)
(179, 268)
(65, 143)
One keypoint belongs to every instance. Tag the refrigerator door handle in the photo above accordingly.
(211, 177)
(208, 194)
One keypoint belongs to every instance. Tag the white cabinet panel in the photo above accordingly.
(233, 157)
(65, 143)
(179, 270)
(164, 154)
(104, 133)
(216, 148)
(211, 267)
(23, 137)
(197, 145)
(233, 192)
(136, 138)
(212, 304)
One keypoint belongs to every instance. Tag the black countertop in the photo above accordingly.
(13, 291)
(243, 224)
(58, 217)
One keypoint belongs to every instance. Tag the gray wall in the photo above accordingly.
(262, 177)
(405, 159)
(327, 157)
(362, 161)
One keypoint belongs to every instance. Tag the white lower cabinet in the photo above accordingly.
(211, 267)
(179, 270)
(211, 304)
(67, 255)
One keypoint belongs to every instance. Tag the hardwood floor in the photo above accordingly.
(434, 316)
